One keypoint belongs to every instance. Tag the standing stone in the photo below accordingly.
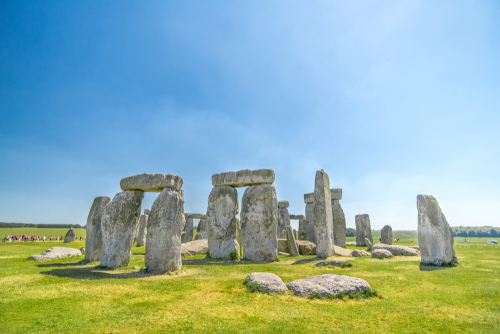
(93, 240)
(368, 244)
(119, 221)
(295, 234)
(143, 229)
(188, 228)
(70, 235)
(302, 229)
(323, 220)
(292, 244)
(363, 230)
(201, 230)
(284, 216)
(165, 223)
(386, 235)
(259, 220)
(222, 222)
(310, 236)
(435, 236)
(339, 224)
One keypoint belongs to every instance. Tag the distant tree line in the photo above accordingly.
(480, 232)
(351, 232)
(20, 225)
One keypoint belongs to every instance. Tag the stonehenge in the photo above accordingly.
(302, 235)
(339, 223)
(363, 230)
(70, 235)
(323, 218)
(435, 236)
(309, 224)
(386, 235)
(283, 217)
(202, 229)
(93, 240)
(292, 244)
(188, 228)
(151, 182)
(143, 229)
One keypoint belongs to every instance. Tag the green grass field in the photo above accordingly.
(207, 296)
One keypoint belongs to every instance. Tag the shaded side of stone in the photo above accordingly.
(188, 229)
(143, 230)
(93, 240)
(339, 223)
(267, 282)
(310, 235)
(386, 235)
(363, 230)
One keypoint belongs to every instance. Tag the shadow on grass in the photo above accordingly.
(218, 262)
(432, 268)
(94, 273)
(307, 260)
(66, 264)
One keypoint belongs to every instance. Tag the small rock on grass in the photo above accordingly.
(266, 282)
(337, 263)
(381, 253)
(359, 253)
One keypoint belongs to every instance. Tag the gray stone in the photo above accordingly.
(82, 249)
(386, 235)
(339, 223)
(310, 235)
(329, 284)
(222, 222)
(336, 194)
(165, 224)
(259, 220)
(243, 178)
(381, 253)
(368, 244)
(151, 182)
(188, 229)
(56, 253)
(323, 220)
(302, 229)
(397, 250)
(201, 230)
(146, 212)
(337, 263)
(195, 215)
(306, 247)
(93, 240)
(359, 253)
(283, 204)
(283, 245)
(415, 247)
(292, 244)
(297, 217)
(283, 219)
(435, 236)
(70, 235)
(195, 247)
(119, 222)
(282, 235)
(309, 198)
(363, 230)
(143, 230)
(295, 234)
(267, 282)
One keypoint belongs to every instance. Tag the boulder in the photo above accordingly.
(70, 235)
(222, 222)
(56, 253)
(337, 263)
(201, 230)
(119, 222)
(386, 235)
(339, 223)
(306, 247)
(165, 224)
(359, 253)
(267, 282)
(292, 244)
(259, 215)
(188, 229)
(151, 182)
(342, 251)
(143, 230)
(329, 284)
(435, 236)
(93, 240)
(368, 244)
(323, 219)
(363, 230)
(243, 178)
(195, 247)
(397, 250)
(381, 253)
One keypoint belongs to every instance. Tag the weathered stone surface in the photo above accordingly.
(363, 230)
(327, 285)
(415, 247)
(146, 211)
(188, 229)
(309, 198)
(283, 245)
(336, 194)
(310, 235)
(306, 247)
(339, 223)
(56, 253)
(119, 222)
(267, 282)
(368, 244)
(222, 222)
(165, 224)
(323, 219)
(70, 235)
(195, 247)
(336, 263)
(195, 215)
(283, 204)
(435, 236)
(359, 253)
(282, 235)
(386, 235)
(302, 229)
(151, 182)
(143, 230)
(295, 234)
(339, 251)
(297, 217)
(259, 220)
(381, 253)
(283, 219)
(397, 250)
(243, 178)
(82, 249)
(201, 230)
(93, 240)
(292, 244)
(238, 237)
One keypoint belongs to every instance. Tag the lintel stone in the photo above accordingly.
(243, 178)
(151, 182)
(309, 198)
(195, 215)
(297, 217)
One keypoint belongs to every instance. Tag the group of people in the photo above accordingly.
(11, 238)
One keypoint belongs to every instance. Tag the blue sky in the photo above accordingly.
(392, 99)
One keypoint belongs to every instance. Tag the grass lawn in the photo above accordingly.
(207, 296)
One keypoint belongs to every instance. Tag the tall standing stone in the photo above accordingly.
(363, 230)
(323, 220)
(435, 236)
(201, 230)
(284, 216)
(302, 229)
(70, 235)
(386, 235)
(259, 218)
(309, 226)
(339, 223)
(222, 222)
(188, 228)
(143, 229)
(119, 222)
(292, 243)
(165, 224)
(93, 240)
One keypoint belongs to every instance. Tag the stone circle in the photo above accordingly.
(151, 182)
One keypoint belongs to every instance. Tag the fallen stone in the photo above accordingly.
(306, 247)
(292, 244)
(386, 235)
(243, 178)
(151, 182)
(56, 253)
(363, 230)
(359, 253)
(336, 194)
(267, 282)
(337, 263)
(339, 223)
(435, 236)
(368, 244)
(323, 219)
(70, 235)
(195, 247)
(397, 250)
(329, 284)
(381, 253)
(93, 240)
(143, 230)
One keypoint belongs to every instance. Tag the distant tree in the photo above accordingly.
(493, 233)
(471, 233)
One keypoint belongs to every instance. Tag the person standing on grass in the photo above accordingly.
(43, 238)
